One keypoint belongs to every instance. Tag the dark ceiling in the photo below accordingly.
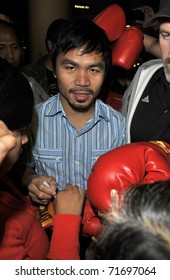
(18, 8)
(97, 6)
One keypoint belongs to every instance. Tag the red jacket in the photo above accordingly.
(22, 236)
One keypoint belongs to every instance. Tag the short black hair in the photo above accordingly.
(16, 97)
(84, 33)
(53, 29)
(16, 29)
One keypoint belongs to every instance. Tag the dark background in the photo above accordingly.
(18, 8)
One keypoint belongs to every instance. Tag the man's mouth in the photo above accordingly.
(81, 97)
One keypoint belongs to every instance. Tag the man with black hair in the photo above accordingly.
(11, 49)
(73, 128)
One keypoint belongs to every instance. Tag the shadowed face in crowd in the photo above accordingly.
(10, 49)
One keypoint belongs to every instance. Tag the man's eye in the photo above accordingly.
(70, 68)
(15, 47)
(94, 70)
(165, 35)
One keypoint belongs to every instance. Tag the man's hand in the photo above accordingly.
(148, 12)
(7, 141)
(39, 191)
(70, 200)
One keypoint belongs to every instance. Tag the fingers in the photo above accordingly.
(114, 199)
(7, 141)
(39, 195)
(70, 200)
(39, 191)
(70, 187)
(75, 188)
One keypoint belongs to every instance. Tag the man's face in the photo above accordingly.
(80, 77)
(164, 41)
(9, 47)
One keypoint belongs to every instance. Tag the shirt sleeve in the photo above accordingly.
(12, 244)
(65, 238)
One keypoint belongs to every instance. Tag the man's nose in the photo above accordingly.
(9, 53)
(82, 78)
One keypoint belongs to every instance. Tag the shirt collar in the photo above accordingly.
(100, 111)
(54, 106)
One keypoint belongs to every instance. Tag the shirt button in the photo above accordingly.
(76, 162)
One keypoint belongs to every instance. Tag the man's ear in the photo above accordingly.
(50, 45)
(115, 200)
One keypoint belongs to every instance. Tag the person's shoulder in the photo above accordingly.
(49, 102)
(30, 68)
(151, 63)
(27, 69)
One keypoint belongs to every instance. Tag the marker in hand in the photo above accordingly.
(47, 185)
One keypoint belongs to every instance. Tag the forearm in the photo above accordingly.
(27, 175)
(65, 238)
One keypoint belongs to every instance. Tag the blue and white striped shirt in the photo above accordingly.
(67, 154)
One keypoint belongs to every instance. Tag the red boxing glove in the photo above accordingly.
(91, 225)
(112, 19)
(130, 164)
(127, 48)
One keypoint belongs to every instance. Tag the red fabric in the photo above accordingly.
(68, 246)
(22, 236)
(91, 223)
(114, 100)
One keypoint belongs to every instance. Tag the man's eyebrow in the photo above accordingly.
(99, 65)
(68, 61)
